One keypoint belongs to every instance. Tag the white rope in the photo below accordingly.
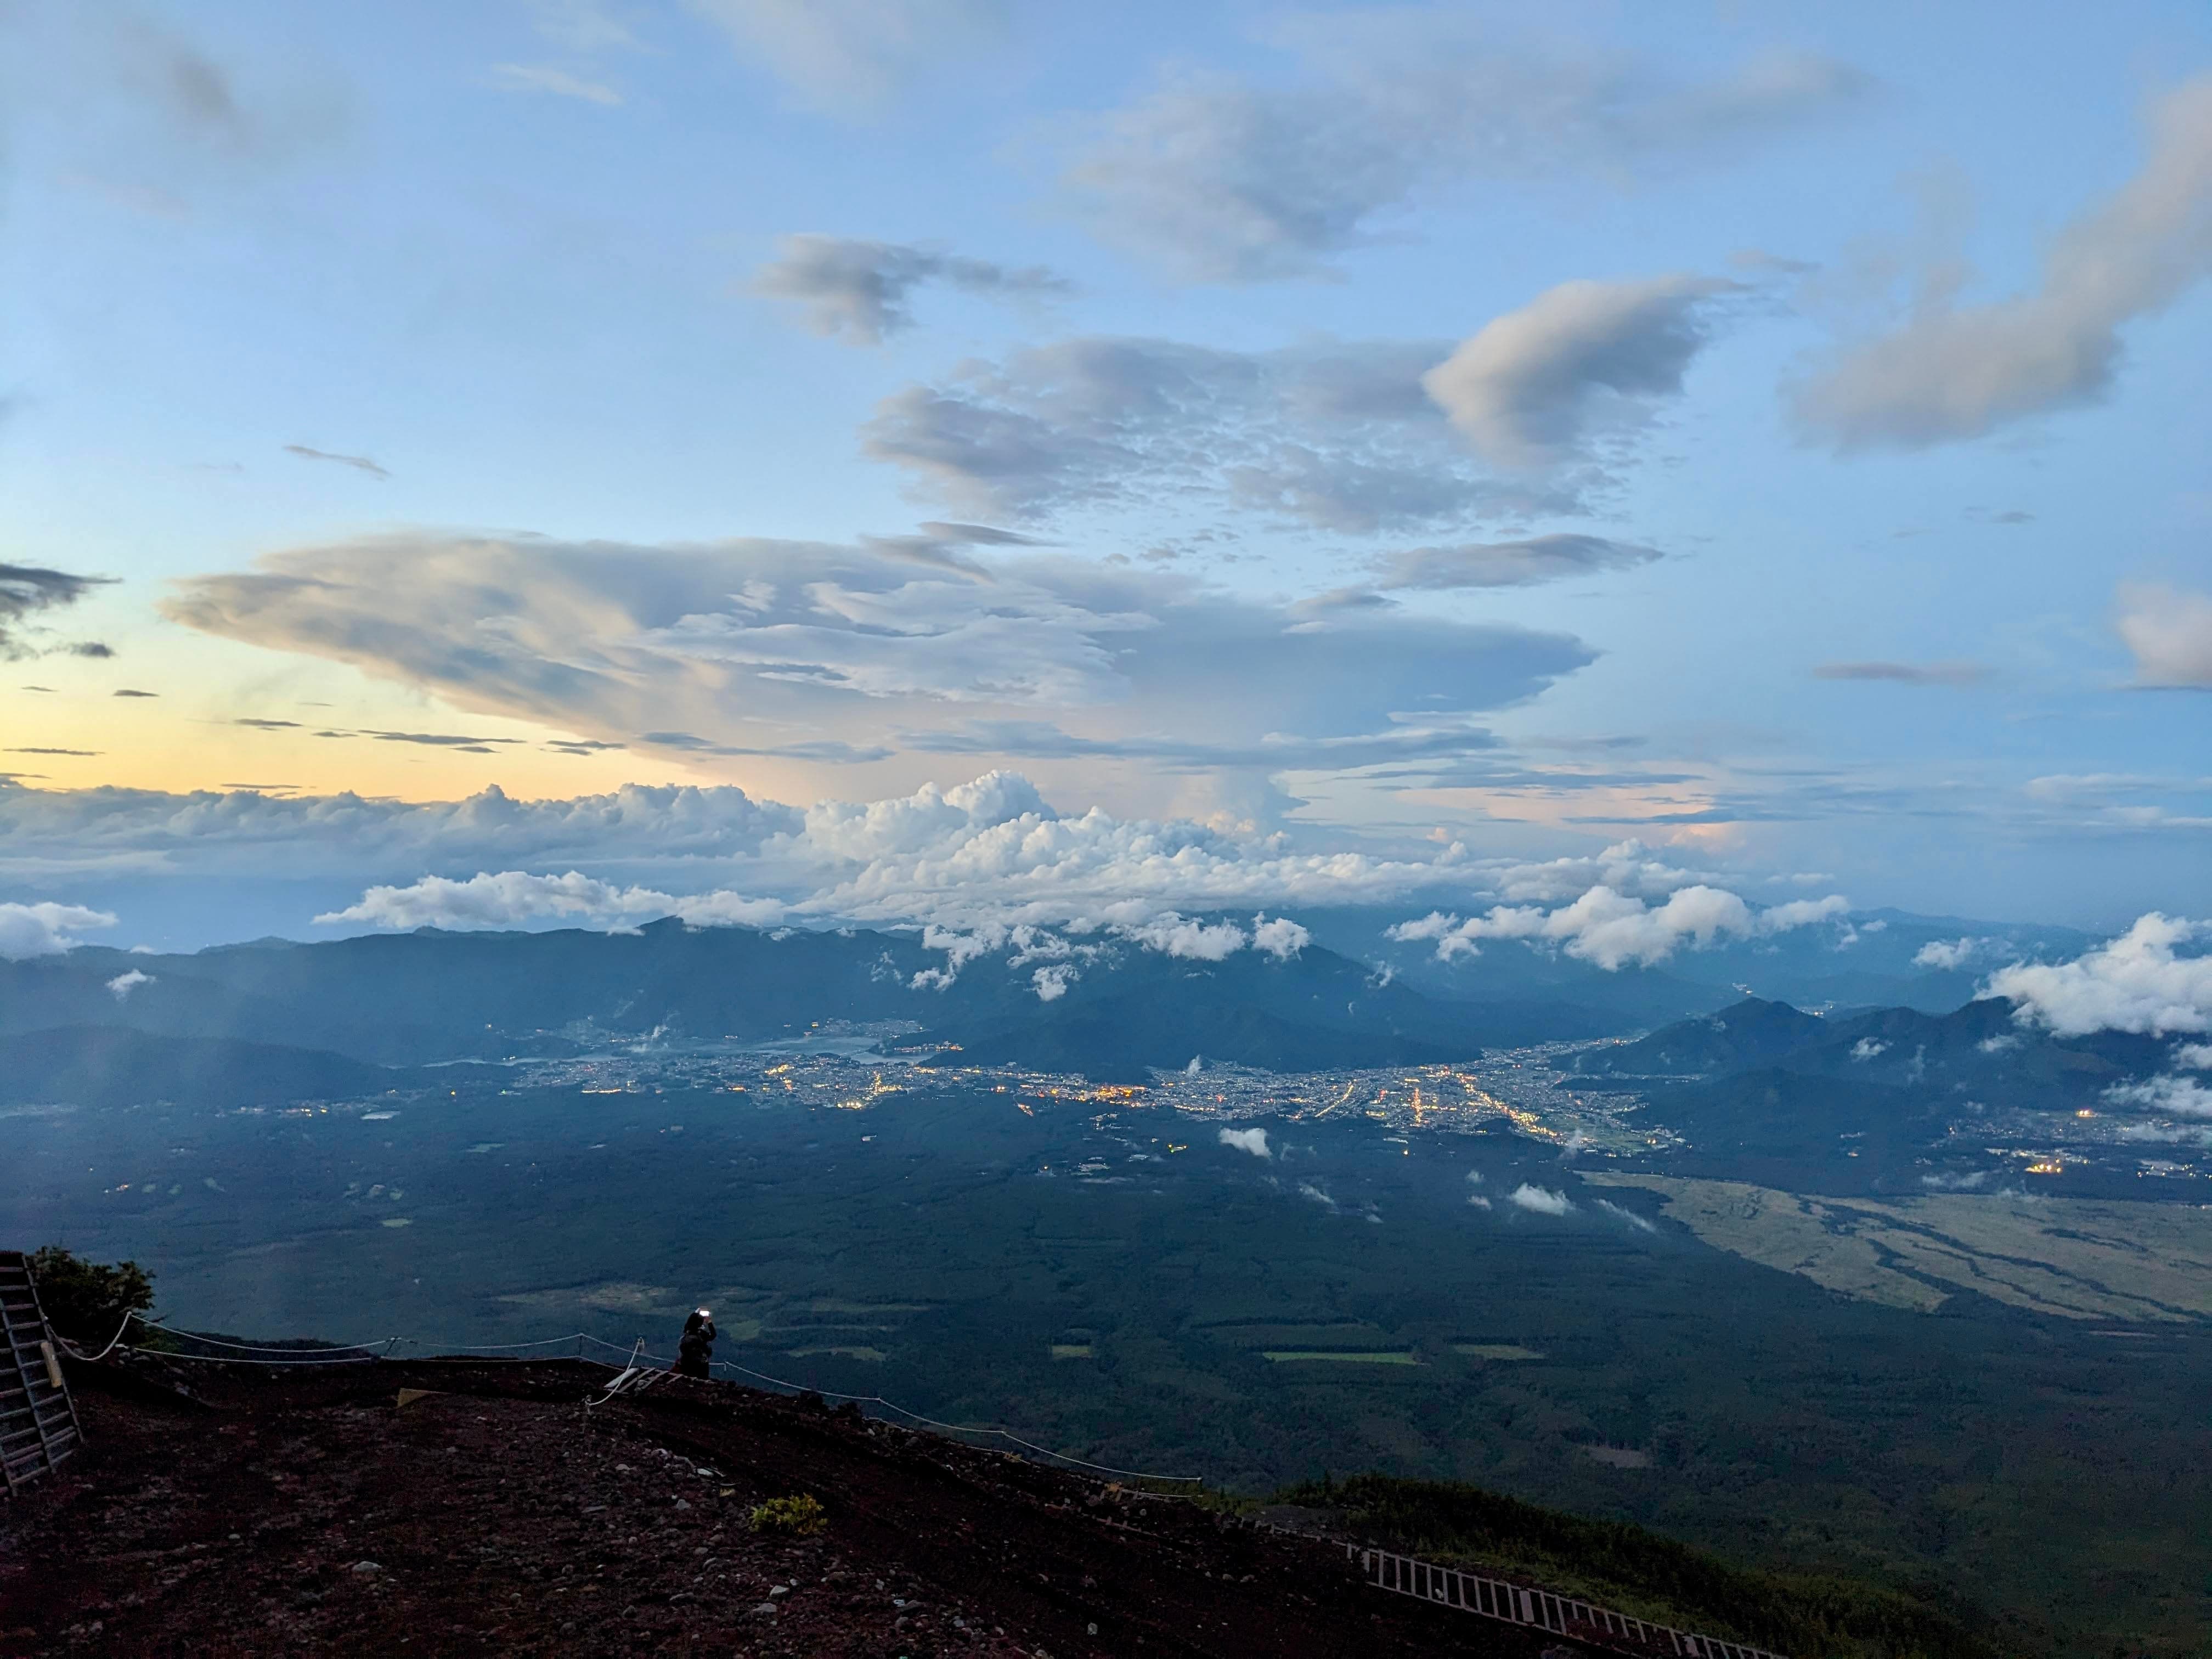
(76, 1353)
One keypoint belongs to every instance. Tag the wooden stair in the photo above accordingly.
(38, 1420)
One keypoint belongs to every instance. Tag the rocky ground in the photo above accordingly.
(306, 1511)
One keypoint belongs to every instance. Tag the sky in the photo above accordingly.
(930, 459)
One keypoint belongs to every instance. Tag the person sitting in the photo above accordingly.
(695, 1353)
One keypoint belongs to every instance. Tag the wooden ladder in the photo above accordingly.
(38, 1420)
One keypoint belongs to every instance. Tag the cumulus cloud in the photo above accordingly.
(124, 984)
(1508, 564)
(513, 898)
(2177, 1097)
(1949, 953)
(46, 930)
(1956, 372)
(2139, 981)
(794, 649)
(1955, 674)
(1534, 386)
(2169, 632)
(2194, 1056)
(1540, 1200)
(849, 56)
(990, 854)
(1337, 436)
(1231, 180)
(1868, 1048)
(29, 591)
(858, 291)
(1254, 1142)
(1308, 1189)
(1613, 929)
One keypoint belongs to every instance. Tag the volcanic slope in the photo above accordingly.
(306, 1511)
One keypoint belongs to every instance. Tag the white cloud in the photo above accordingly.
(1622, 1212)
(1229, 180)
(2194, 1056)
(1281, 938)
(1534, 387)
(1959, 372)
(1998, 1044)
(1174, 935)
(124, 984)
(849, 56)
(1051, 982)
(1540, 1200)
(544, 77)
(1613, 929)
(513, 898)
(2177, 1097)
(2170, 633)
(858, 291)
(1868, 1048)
(1308, 1189)
(2136, 982)
(1254, 1142)
(45, 930)
(1949, 953)
(1478, 1200)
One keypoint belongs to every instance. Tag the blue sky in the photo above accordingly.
(1774, 436)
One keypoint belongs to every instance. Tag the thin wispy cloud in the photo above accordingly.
(858, 291)
(1953, 674)
(358, 463)
(1227, 179)
(554, 81)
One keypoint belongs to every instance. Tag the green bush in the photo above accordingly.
(86, 1301)
(799, 1517)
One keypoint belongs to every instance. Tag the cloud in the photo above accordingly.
(2177, 1097)
(27, 591)
(1228, 180)
(1508, 564)
(128, 691)
(541, 78)
(857, 291)
(1949, 953)
(1868, 1048)
(1534, 387)
(1540, 1200)
(1176, 936)
(82, 753)
(125, 983)
(2170, 633)
(1953, 373)
(1281, 938)
(849, 56)
(359, 462)
(1308, 1189)
(1622, 1212)
(45, 930)
(2136, 982)
(749, 648)
(1905, 673)
(513, 898)
(2194, 1056)
(1613, 929)
(1336, 435)
(1254, 1142)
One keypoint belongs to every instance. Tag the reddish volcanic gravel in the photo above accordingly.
(302, 1512)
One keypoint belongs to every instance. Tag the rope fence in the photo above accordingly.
(355, 1353)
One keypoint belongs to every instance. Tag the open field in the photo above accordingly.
(2076, 1258)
